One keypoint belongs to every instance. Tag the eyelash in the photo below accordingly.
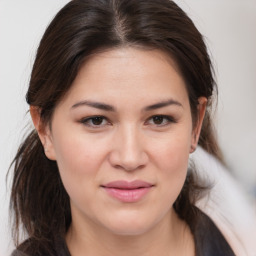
(168, 120)
(85, 121)
(88, 121)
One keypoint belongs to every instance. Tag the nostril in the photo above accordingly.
(128, 157)
(129, 168)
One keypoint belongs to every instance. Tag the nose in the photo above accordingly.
(128, 150)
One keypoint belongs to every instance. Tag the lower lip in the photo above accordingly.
(128, 195)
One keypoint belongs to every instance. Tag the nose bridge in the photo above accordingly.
(129, 141)
(129, 152)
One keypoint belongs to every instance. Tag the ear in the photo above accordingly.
(201, 108)
(44, 132)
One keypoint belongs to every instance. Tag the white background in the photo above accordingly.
(230, 30)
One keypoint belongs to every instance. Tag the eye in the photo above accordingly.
(161, 120)
(95, 121)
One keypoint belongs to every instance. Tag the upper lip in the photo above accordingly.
(122, 184)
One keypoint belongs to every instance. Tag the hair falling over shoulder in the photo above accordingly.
(38, 199)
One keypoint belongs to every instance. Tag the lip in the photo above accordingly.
(126, 191)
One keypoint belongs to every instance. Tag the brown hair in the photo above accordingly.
(38, 199)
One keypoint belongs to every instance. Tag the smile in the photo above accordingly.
(128, 192)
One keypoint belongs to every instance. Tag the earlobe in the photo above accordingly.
(201, 108)
(43, 131)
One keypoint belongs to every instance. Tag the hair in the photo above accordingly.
(81, 28)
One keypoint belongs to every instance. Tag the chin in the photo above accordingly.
(130, 226)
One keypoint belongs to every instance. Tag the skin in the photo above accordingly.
(129, 143)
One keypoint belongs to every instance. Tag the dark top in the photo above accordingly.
(208, 242)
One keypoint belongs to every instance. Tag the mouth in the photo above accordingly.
(128, 192)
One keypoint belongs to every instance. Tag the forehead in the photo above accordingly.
(128, 74)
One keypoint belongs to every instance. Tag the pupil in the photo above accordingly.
(97, 120)
(158, 119)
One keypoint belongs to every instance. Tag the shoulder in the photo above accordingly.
(18, 253)
(209, 239)
(33, 247)
(227, 204)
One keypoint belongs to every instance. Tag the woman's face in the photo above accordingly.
(121, 138)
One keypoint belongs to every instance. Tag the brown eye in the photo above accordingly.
(161, 120)
(95, 121)
(158, 119)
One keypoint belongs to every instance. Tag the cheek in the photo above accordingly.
(77, 153)
(171, 158)
(79, 160)
(173, 150)
(174, 163)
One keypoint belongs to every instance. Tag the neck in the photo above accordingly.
(171, 236)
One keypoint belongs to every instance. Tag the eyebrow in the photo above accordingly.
(107, 107)
(162, 104)
(94, 104)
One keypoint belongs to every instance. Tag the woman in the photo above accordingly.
(120, 95)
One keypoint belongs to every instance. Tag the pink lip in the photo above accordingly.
(128, 191)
